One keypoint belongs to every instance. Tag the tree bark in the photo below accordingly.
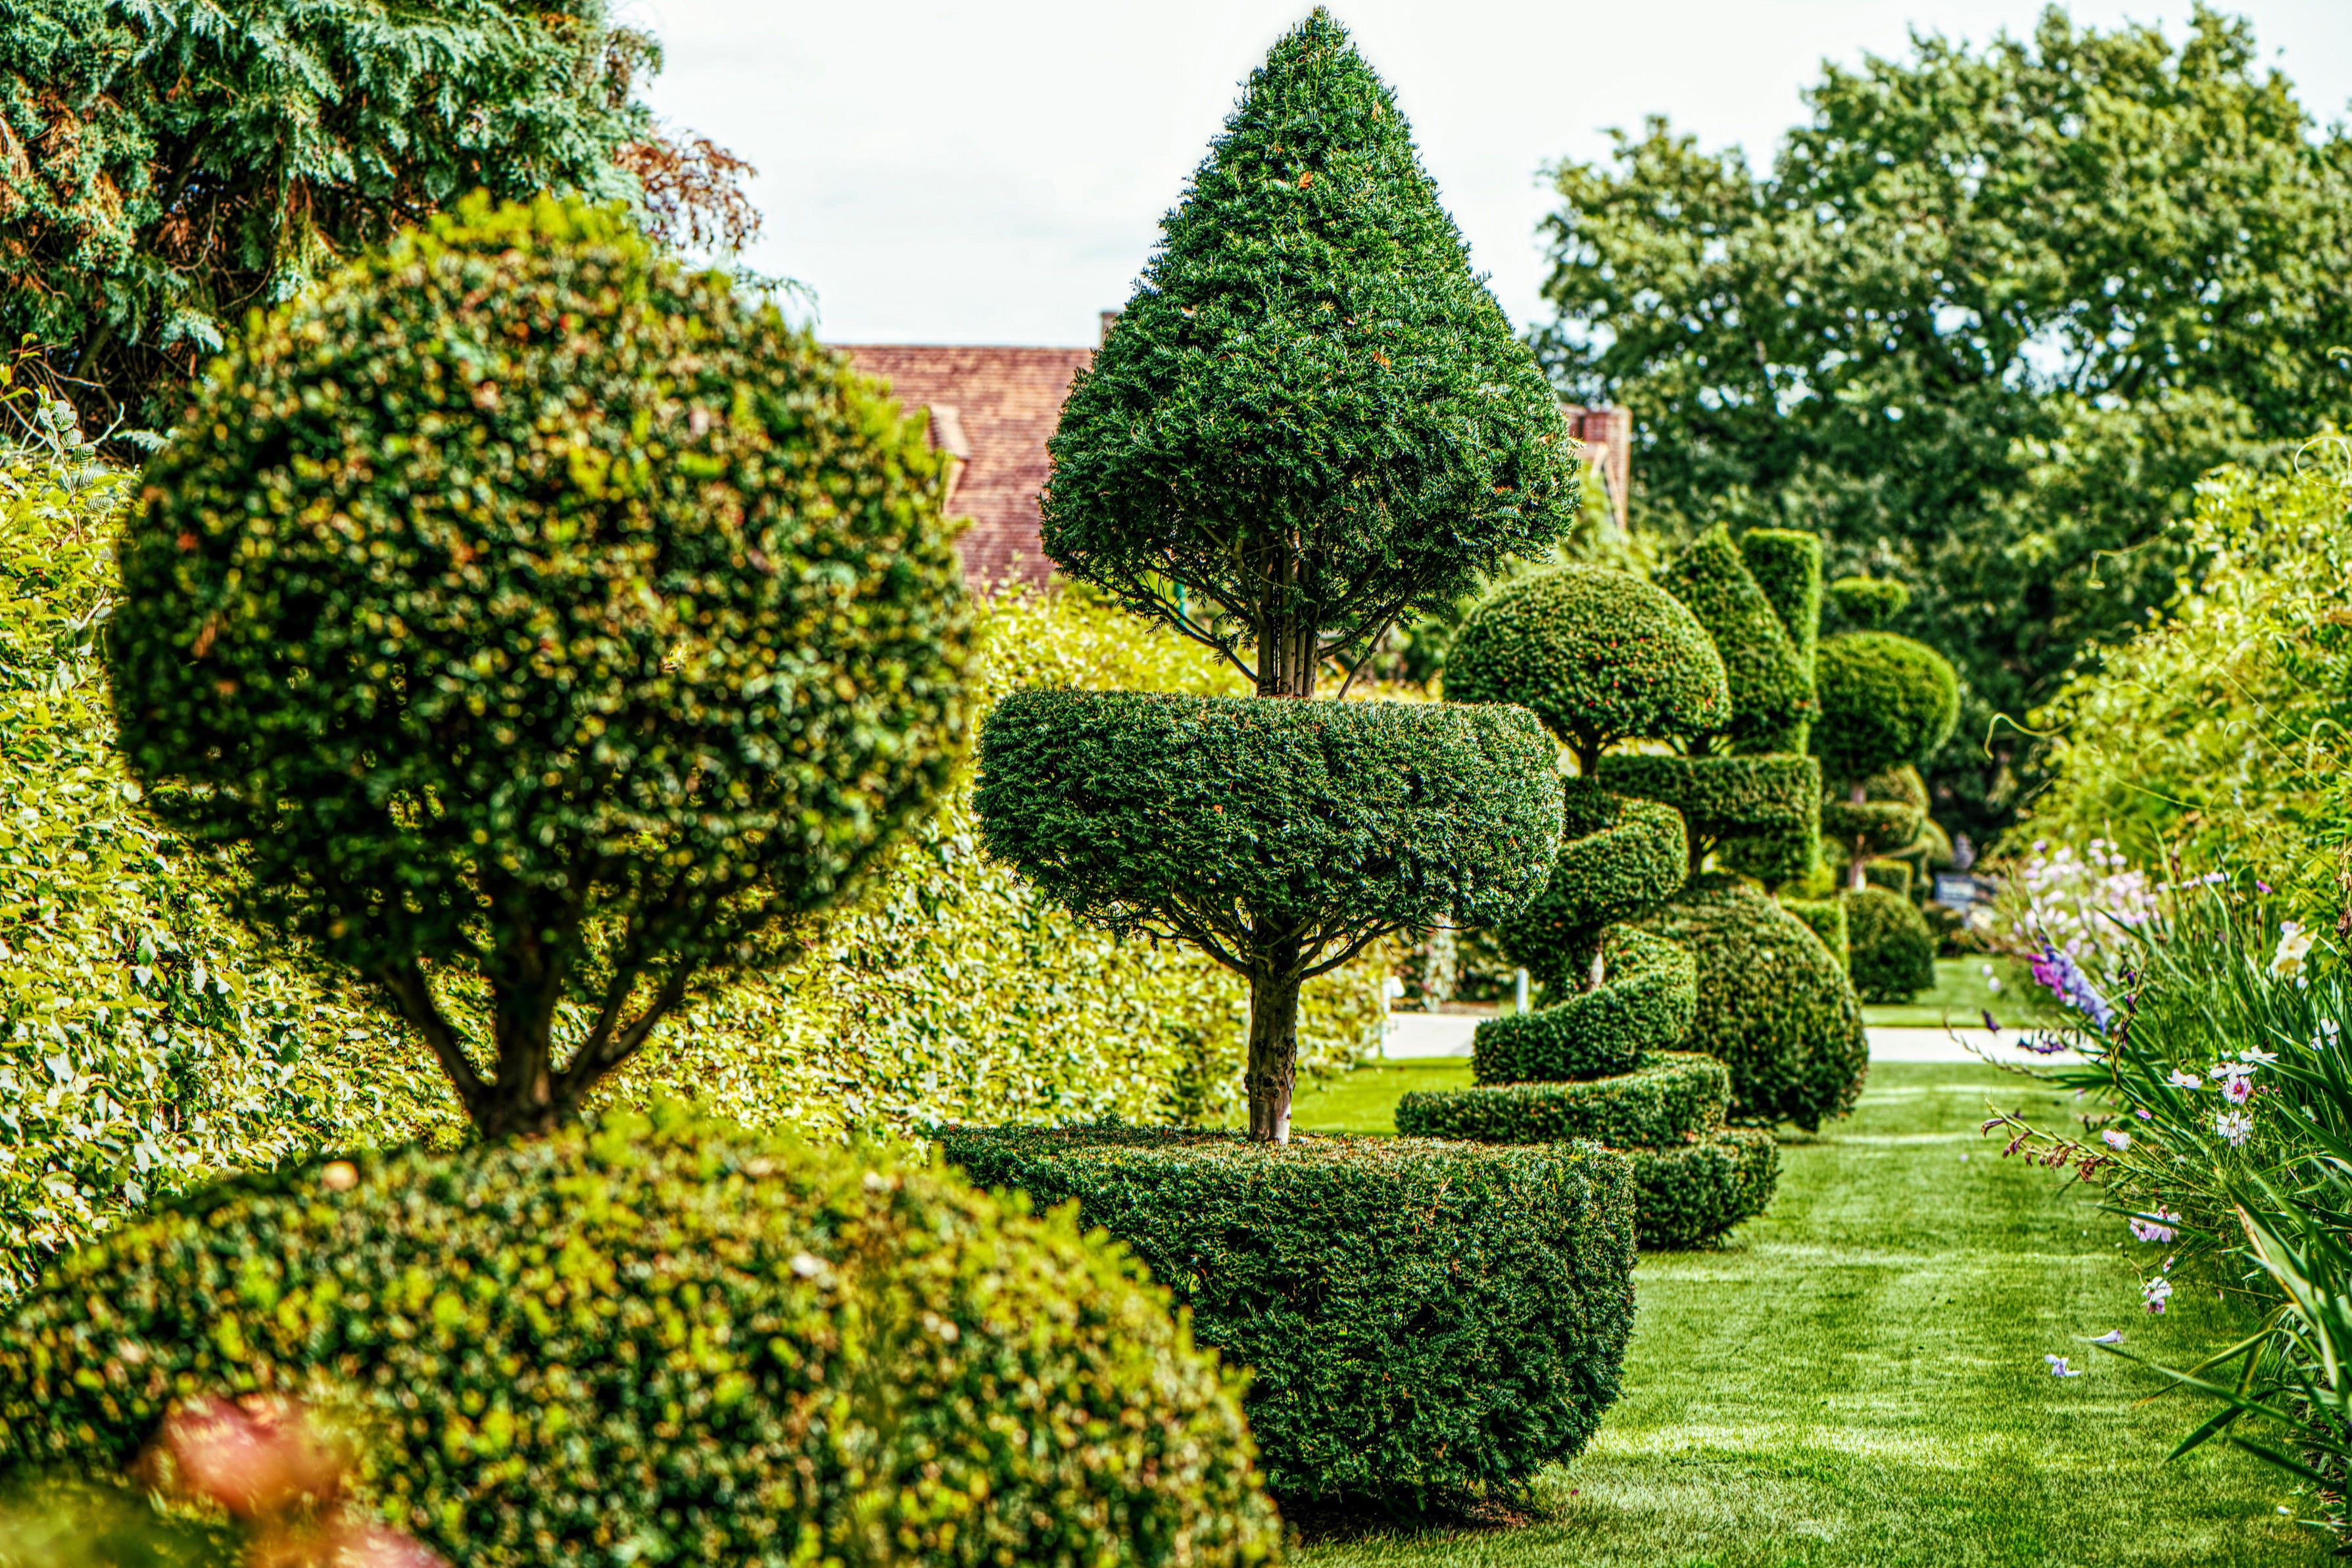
(522, 1103)
(1273, 1042)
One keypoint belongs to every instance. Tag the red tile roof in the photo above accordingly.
(993, 408)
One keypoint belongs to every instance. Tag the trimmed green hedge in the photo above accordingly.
(1893, 951)
(1667, 1097)
(1618, 857)
(1883, 825)
(1645, 1004)
(1772, 1004)
(1424, 1322)
(1825, 918)
(1787, 565)
(1894, 876)
(1865, 603)
(665, 1341)
(1885, 700)
(1724, 797)
(1599, 656)
(1126, 808)
(1691, 1193)
(1771, 689)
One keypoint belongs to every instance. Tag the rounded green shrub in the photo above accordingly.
(1825, 918)
(1646, 1005)
(1885, 700)
(663, 1341)
(1881, 827)
(1865, 603)
(1425, 1323)
(1773, 1005)
(1691, 1193)
(522, 600)
(1618, 857)
(1599, 656)
(1189, 815)
(1666, 1098)
(1771, 689)
(1893, 952)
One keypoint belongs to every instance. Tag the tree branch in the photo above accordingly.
(411, 994)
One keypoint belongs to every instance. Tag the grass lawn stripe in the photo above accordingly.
(1857, 1377)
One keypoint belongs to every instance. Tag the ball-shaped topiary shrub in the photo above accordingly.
(1825, 918)
(663, 1341)
(1426, 1323)
(1885, 700)
(1278, 836)
(522, 603)
(1893, 950)
(1772, 1003)
(1599, 656)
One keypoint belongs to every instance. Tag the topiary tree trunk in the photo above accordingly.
(1312, 422)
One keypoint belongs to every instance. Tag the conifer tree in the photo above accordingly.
(1310, 423)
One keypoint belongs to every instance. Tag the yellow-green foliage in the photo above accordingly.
(665, 1340)
(146, 1040)
(2219, 730)
(149, 1042)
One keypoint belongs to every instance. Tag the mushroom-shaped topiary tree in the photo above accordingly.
(1310, 422)
(1604, 658)
(527, 611)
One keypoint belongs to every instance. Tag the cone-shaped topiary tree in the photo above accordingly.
(1604, 658)
(1310, 422)
(523, 608)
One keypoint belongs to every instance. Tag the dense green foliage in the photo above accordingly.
(1618, 857)
(1886, 702)
(1773, 1005)
(147, 1040)
(1600, 656)
(1665, 1098)
(1312, 419)
(1984, 321)
(664, 1339)
(153, 1043)
(169, 166)
(1768, 805)
(1208, 818)
(2217, 731)
(1692, 1193)
(524, 604)
(1890, 952)
(1867, 603)
(1426, 1323)
(1771, 687)
(1825, 918)
(1786, 566)
(1645, 1006)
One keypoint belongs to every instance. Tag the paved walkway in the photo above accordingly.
(1414, 1034)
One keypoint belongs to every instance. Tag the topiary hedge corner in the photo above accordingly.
(1425, 1323)
(1667, 1097)
(1646, 1005)
(662, 1339)
(1696, 1191)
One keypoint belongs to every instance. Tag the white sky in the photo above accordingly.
(994, 171)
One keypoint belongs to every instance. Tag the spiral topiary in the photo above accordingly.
(1893, 949)
(663, 1340)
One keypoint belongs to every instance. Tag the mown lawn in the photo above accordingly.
(1858, 1377)
(1964, 994)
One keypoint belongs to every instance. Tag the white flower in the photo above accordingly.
(2157, 1291)
(2180, 1080)
(2293, 944)
(2238, 1091)
(2115, 1140)
(2232, 1071)
(2058, 1367)
(2113, 1336)
(2257, 1058)
(2234, 1126)
(2157, 1228)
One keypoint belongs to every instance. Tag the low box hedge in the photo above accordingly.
(1668, 1097)
(1647, 1004)
(1425, 1322)
(1692, 1193)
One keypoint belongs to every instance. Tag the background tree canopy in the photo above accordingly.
(1986, 320)
(168, 165)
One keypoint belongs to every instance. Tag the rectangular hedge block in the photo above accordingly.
(1426, 1323)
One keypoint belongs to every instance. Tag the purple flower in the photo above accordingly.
(2156, 1292)
(2058, 1367)
(2115, 1140)
(2238, 1091)
(2065, 980)
(2156, 1227)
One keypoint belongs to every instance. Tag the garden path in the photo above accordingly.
(1858, 1377)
